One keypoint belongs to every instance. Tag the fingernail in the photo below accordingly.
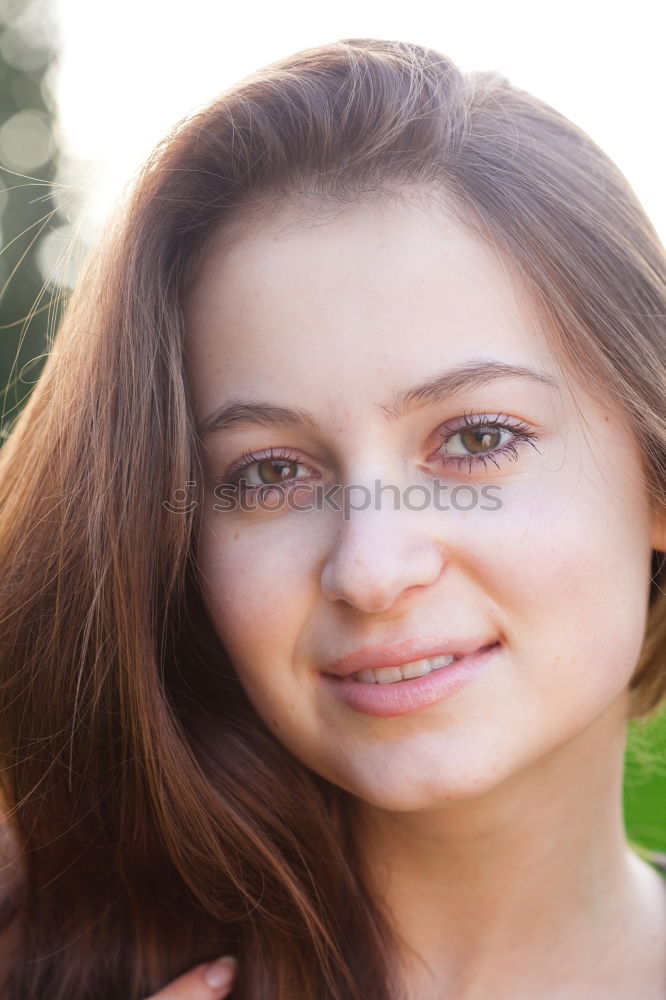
(221, 972)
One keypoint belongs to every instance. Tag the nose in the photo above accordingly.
(377, 556)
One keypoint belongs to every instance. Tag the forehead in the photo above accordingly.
(292, 292)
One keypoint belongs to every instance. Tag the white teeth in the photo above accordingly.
(441, 661)
(390, 675)
(415, 669)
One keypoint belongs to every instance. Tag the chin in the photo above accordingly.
(423, 785)
(412, 797)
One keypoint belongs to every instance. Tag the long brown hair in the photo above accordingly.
(160, 822)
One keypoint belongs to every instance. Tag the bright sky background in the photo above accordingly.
(130, 69)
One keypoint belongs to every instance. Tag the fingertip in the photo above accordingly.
(219, 975)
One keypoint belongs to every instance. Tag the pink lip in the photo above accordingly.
(403, 697)
(375, 657)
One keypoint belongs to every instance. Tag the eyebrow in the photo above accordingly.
(469, 375)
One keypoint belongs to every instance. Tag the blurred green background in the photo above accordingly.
(645, 783)
(31, 303)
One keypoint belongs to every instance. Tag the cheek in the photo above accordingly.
(573, 572)
(255, 584)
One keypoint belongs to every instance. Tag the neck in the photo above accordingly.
(527, 891)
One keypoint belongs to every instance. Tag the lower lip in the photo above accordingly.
(403, 697)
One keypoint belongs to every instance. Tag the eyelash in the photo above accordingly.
(248, 459)
(521, 432)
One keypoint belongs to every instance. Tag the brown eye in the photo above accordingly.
(272, 470)
(252, 472)
(475, 443)
(476, 440)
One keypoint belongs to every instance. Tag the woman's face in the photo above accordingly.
(336, 318)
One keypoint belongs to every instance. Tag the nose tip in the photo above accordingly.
(371, 573)
(358, 589)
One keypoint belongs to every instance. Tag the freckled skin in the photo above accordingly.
(335, 319)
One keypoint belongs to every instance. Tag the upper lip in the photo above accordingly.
(420, 648)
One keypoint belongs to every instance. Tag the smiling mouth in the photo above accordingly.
(415, 668)
(405, 672)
